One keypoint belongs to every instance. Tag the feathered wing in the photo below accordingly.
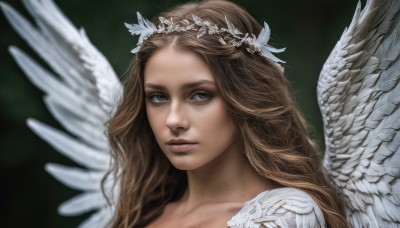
(359, 97)
(81, 94)
(281, 207)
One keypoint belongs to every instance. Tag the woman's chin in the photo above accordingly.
(185, 164)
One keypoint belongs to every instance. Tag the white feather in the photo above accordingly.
(143, 28)
(261, 43)
(281, 207)
(75, 178)
(83, 203)
(82, 91)
(70, 147)
(360, 83)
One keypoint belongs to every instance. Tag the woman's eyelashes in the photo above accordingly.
(201, 96)
(156, 98)
(198, 96)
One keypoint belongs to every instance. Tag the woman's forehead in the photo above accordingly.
(172, 65)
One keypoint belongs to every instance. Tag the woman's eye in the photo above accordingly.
(201, 96)
(157, 98)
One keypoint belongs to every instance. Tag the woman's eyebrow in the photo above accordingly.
(197, 83)
(184, 86)
(154, 86)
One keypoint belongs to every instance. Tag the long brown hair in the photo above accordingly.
(271, 130)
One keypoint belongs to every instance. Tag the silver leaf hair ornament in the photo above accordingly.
(229, 35)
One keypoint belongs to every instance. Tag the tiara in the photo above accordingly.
(229, 35)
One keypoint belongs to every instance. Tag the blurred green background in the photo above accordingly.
(28, 195)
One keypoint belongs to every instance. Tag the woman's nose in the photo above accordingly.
(177, 119)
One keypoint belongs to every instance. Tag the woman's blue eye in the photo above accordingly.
(201, 96)
(157, 98)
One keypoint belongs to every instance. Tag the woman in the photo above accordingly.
(207, 123)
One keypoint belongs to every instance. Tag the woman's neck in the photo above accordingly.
(229, 178)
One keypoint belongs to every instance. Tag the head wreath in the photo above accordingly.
(229, 35)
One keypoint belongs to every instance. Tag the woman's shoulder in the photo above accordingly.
(281, 207)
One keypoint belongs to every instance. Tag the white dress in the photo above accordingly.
(281, 207)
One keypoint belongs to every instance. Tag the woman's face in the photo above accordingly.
(185, 111)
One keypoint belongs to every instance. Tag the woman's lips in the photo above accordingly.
(181, 147)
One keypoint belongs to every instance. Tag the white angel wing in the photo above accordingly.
(281, 207)
(359, 97)
(81, 97)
